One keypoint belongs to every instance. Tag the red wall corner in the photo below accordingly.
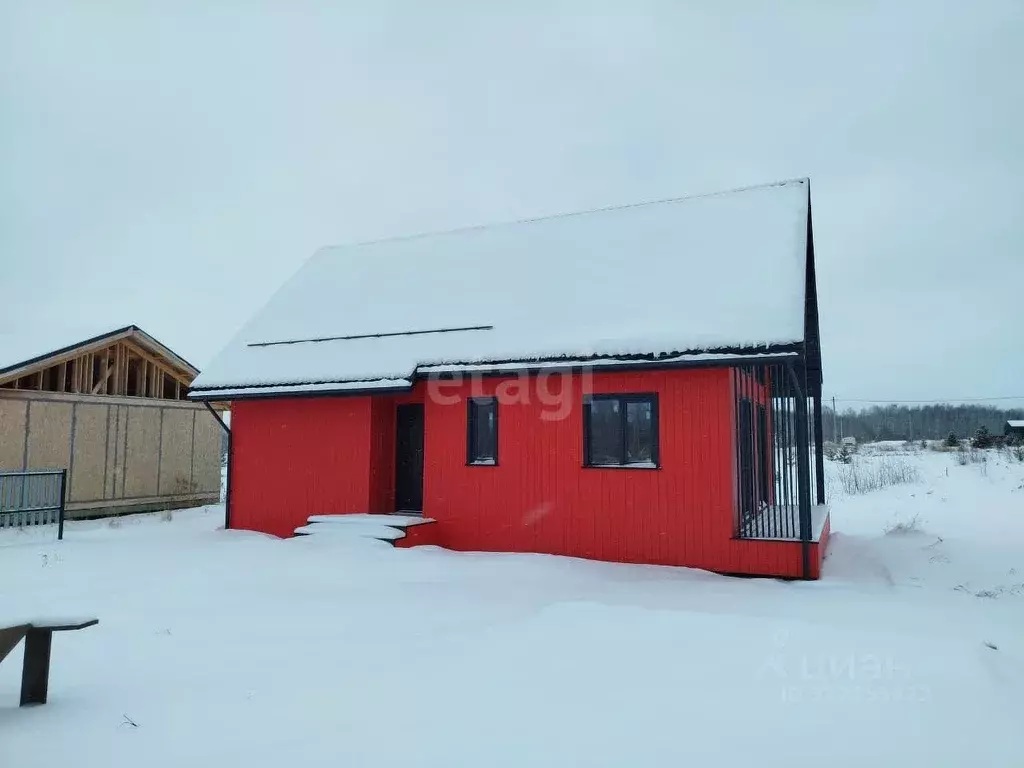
(296, 457)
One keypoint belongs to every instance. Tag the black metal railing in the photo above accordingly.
(775, 443)
(33, 497)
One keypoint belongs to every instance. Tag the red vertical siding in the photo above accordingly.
(539, 498)
(418, 535)
(296, 457)
(382, 456)
(292, 458)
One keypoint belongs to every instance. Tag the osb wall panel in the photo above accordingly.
(142, 464)
(206, 459)
(89, 450)
(111, 470)
(176, 452)
(12, 433)
(49, 435)
(113, 451)
(115, 470)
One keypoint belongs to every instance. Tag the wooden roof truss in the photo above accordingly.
(118, 368)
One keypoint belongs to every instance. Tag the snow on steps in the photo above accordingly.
(395, 521)
(361, 526)
(381, 532)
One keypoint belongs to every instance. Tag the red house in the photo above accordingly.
(637, 384)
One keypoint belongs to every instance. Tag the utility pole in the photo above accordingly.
(835, 428)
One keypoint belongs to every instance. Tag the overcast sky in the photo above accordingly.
(171, 164)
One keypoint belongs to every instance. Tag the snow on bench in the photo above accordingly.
(353, 531)
(37, 633)
(57, 623)
(395, 521)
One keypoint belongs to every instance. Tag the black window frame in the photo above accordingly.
(472, 404)
(624, 398)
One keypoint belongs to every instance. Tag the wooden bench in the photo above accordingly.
(35, 670)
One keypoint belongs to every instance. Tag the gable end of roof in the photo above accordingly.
(133, 332)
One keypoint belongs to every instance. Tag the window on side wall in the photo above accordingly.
(482, 432)
(621, 431)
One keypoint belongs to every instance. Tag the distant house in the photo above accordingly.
(634, 384)
(111, 409)
(1014, 428)
(850, 442)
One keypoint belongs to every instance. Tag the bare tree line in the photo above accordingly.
(915, 422)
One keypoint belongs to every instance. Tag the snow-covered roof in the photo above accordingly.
(1016, 423)
(33, 343)
(719, 272)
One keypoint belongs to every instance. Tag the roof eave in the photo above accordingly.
(167, 352)
(725, 358)
(230, 394)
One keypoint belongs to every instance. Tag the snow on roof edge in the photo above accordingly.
(669, 359)
(309, 388)
(368, 385)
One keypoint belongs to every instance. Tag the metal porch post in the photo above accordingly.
(803, 471)
(819, 455)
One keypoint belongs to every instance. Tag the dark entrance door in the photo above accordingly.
(409, 458)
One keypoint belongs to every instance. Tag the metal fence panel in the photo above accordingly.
(33, 497)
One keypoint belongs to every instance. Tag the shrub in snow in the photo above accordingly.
(913, 525)
(982, 438)
(867, 476)
(952, 441)
(972, 455)
(1018, 452)
(840, 453)
(886, 447)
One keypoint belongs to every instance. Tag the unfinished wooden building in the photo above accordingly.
(111, 410)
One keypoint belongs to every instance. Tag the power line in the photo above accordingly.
(948, 400)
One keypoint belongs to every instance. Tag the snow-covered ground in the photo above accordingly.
(234, 648)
